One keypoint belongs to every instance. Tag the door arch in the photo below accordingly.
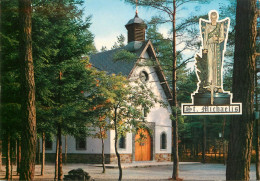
(142, 146)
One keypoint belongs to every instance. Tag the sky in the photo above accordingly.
(109, 18)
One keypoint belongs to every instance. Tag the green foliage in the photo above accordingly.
(60, 39)
(99, 104)
(120, 42)
(165, 5)
(163, 49)
(187, 84)
(10, 69)
(162, 46)
(227, 79)
(124, 102)
(124, 55)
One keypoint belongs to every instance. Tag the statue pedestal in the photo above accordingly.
(201, 105)
(205, 99)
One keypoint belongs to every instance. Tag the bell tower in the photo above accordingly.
(136, 29)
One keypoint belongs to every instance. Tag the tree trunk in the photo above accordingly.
(28, 92)
(43, 153)
(224, 152)
(240, 143)
(8, 162)
(66, 150)
(219, 151)
(60, 154)
(197, 150)
(215, 150)
(57, 158)
(16, 151)
(223, 139)
(11, 159)
(257, 150)
(0, 155)
(38, 157)
(103, 152)
(204, 142)
(117, 154)
(175, 173)
(118, 159)
(18, 161)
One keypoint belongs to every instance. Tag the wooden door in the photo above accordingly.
(142, 146)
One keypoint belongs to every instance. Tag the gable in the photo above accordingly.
(149, 52)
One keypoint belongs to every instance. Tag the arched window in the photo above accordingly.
(121, 142)
(163, 141)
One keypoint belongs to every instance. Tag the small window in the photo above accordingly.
(163, 141)
(81, 144)
(121, 142)
(48, 144)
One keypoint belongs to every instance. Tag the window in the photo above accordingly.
(121, 142)
(163, 141)
(81, 144)
(48, 144)
(144, 77)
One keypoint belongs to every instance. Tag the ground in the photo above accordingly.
(144, 171)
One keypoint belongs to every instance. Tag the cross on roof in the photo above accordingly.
(136, 6)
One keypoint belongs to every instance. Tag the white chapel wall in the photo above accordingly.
(93, 145)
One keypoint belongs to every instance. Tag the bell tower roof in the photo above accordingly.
(136, 20)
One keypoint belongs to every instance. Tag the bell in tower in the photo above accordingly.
(136, 29)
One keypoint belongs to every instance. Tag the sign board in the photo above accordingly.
(210, 97)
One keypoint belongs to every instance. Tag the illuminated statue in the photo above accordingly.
(209, 66)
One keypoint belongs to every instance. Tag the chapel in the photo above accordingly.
(157, 146)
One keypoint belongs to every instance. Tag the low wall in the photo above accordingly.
(163, 157)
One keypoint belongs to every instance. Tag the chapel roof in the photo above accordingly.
(105, 60)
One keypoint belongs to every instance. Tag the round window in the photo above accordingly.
(144, 76)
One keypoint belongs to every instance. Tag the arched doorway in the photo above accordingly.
(142, 146)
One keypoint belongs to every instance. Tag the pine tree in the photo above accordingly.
(10, 74)
(61, 70)
(119, 43)
(28, 108)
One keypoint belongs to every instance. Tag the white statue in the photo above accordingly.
(214, 37)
